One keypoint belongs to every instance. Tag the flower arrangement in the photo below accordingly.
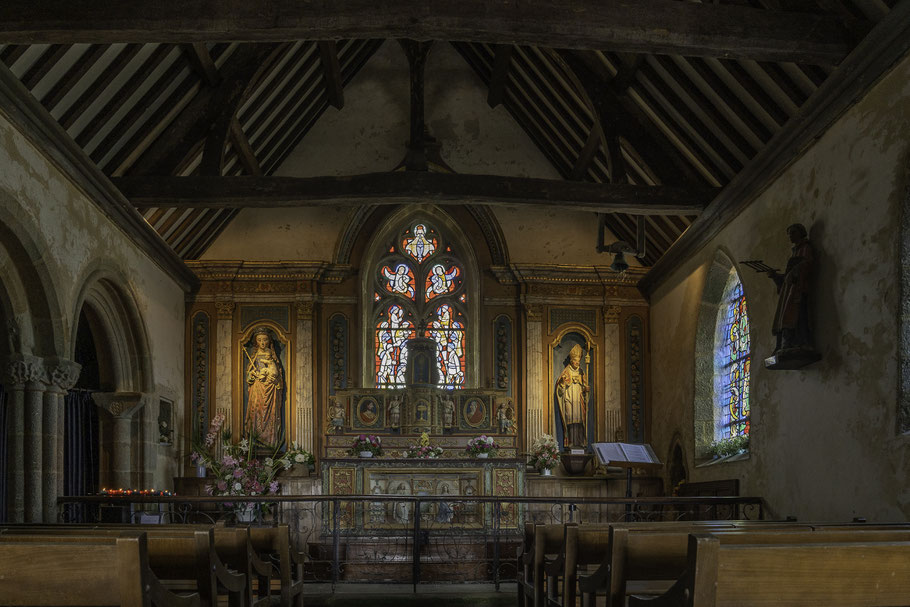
(544, 453)
(367, 442)
(423, 449)
(730, 446)
(481, 445)
(239, 471)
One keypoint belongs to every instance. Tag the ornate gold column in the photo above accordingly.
(223, 369)
(535, 397)
(612, 376)
(303, 388)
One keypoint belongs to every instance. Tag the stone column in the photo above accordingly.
(534, 423)
(61, 376)
(303, 386)
(18, 371)
(34, 461)
(612, 376)
(122, 406)
(223, 383)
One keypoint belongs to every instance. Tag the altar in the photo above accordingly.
(460, 479)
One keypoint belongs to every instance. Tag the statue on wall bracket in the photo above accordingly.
(792, 327)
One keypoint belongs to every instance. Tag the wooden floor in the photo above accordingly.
(403, 595)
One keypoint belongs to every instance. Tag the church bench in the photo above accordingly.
(277, 541)
(177, 556)
(87, 571)
(651, 558)
(545, 541)
(646, 557)
(233, 546)
(582, 546)
(832, 569)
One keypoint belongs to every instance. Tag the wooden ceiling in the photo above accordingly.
(644, 107)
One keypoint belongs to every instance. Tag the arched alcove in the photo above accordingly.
(110, 319)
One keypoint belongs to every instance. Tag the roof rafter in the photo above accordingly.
(409, 186)
(660, 26)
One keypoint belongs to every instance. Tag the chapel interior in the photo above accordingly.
(670, 223)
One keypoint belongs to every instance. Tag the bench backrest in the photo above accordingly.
(854, 573)
(87, 571)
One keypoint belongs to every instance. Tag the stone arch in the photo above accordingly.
(374, 250)
(119, 330)
(30, 307)
(716, 280)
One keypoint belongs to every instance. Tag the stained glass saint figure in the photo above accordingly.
(391, 354)
(400, 281)
(419, 247)
(440, 281)
(448, 334)
(733, 362)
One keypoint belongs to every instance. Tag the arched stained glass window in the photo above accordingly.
(731, 363)
(419, 283)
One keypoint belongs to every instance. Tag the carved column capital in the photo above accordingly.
(62, 374)
(534, 312)
(611, 315)
(304, 309)
(120, 404)
(225, 309)
(21, 369)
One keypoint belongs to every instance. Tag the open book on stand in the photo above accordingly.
(625, 454)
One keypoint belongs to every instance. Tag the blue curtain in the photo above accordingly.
(80, 450)
(3, 455)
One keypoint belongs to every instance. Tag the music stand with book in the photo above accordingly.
(628, 456)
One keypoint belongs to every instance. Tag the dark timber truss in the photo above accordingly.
(644, 107)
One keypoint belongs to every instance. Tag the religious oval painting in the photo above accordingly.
(264, 383)
(367, 412)
(474, 412)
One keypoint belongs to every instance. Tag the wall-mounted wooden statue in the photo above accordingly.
(792, 326)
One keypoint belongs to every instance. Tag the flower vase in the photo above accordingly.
(246, 512)
(366, 454)
(546, 472)
(200, 471)
(483, 455)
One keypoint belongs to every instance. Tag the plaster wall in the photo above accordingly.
(370, 135)
(76, 242)
(824, 441)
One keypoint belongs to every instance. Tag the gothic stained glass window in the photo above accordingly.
(392, 333)
(448, 333)
(731, 364)
(420, 277)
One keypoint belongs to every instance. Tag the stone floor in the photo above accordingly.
(404, 595)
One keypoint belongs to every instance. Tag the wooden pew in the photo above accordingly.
(86, 571)
(583, 545)
(234, 547)
(176, 555)
(277, 541)
(545, 544)
(834, 569)
(650, 556)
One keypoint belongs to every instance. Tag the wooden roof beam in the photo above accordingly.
(402, 187)
(331, 73)
(657, 26)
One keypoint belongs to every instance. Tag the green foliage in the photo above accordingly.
(730, 446)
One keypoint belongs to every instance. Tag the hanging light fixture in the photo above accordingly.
(621, 247)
